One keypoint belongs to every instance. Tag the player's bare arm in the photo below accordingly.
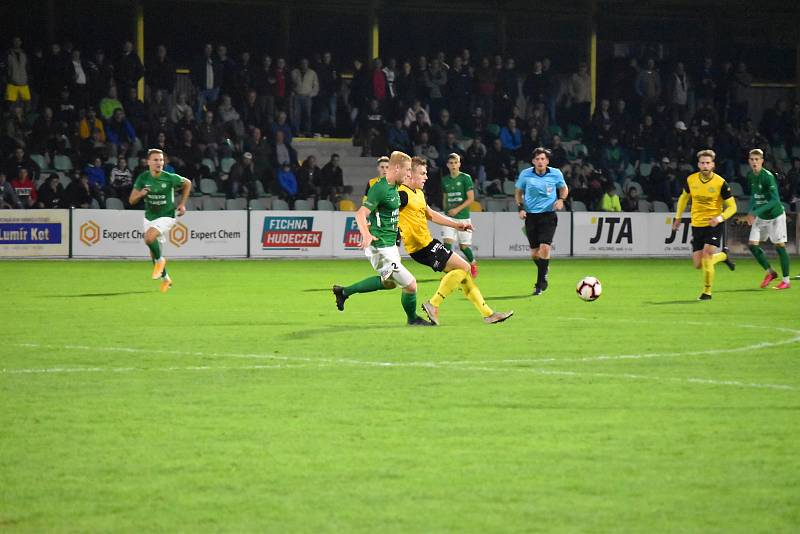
(520, 206)
(361, 220)
(187, 188)
(438, 218)
(563, 193)
(468, 202)
(138, 194)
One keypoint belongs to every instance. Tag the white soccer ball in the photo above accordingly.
(589, 288)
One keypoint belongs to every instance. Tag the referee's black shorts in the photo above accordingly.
(706, 235)
(540, 228)
(434, 255)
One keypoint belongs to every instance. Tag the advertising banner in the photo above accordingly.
(663, 240)
(510, 240)
(291, 234)
(34, 233)
(120, 234)
(610, 234)
(346, 237)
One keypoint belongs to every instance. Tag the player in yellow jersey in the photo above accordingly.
(383, 166)
(708, 192)
(413, 225)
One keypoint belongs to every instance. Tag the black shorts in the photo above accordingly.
(434, 255)
(706, 235)
(540, 228)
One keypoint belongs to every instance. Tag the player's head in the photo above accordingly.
(705, 161)
(399, 169)
(756, 159)
(383, 165)
(454, 163)
(419, 172)
(155, 160)
(541, 158)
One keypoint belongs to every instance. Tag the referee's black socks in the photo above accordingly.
(542, 266)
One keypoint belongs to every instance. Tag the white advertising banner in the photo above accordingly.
(39, 233)
(482, 236)
(610, 234)
(664, 241)
(291, 234)
(119, 233)
(346, 237)
(510, 240)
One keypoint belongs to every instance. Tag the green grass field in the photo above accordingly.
(243, 401)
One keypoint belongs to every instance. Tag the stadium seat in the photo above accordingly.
(475, 207)
(62, 163)
(742, 205)
(347, 205)
(645, 169)
(302, 204)
(94, 205)
(577, 205)
(133, 162)
(573, 132)
(660, 207)
(260, 203)
(618, 189)
(637, 186)
(744, 168)
(226, 164)
(796, 151)
(208, 162)
(260, 189)
(114, 204)
(279, 204)
(555, 129)
(736, 189)
(644, 206)
(40, 160)
(779, 153)
(64, 180)
(509, 187)
(236, 204)
(496, 204)
(630, 171)
(208, 186)
(325, 205)
(194, 204)
(213, 203)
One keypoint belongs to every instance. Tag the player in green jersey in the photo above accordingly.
(377, 222)
(157, 188)
(458, 194)
(767, 218)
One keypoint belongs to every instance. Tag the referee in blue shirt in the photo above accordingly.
(540, 191)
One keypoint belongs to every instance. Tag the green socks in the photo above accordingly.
(784, 257)
(409, 302)
(155, 249)
(760, 257)
(468, 253)
(366, 285)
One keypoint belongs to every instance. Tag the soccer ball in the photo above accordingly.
(589, 288)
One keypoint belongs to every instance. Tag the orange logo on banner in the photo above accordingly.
(179, 234)
(90, 233)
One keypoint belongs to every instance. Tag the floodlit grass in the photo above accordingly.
(243, 401)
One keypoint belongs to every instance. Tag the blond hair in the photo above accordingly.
(756, 152)
(418, 162)
(707, 153)
(398, 158)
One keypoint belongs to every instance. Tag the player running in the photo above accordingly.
(157, 187)
(413, 224)
(458, 194)
(378, 239)
(768, 219)
(708, 191)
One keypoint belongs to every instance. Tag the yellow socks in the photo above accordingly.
(449, 283)
(718, 257)
(472, 292)
(708, 271)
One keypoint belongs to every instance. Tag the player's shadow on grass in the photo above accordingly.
(663, 302)
(509, 297)
(746, 290)
(318, 290)
(85, 295)
(313, 332)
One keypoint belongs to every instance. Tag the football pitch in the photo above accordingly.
(242, 401)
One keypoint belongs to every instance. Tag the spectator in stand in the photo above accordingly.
(25, 189)
(45, 133)
(413, 114)
(230, 119)
(678, 92)
(397, 138)
(244, 78)
(252, 114)
(129, 69)
(331, 181)
(17, 128)
(57, 73)
(242, 178)
(20, 160)
(326, 100)
(211, 139)
(391, 72)
(406, 84)
(8, 196)
(78, 193)
(535, 87)
(476, 124)
(448, 148)
(264, 84)
(156, 108)
(161, 72)
(444, 126)
(306, 88)
(17, 87)
(459, 90)
(180, 110)
(121, 180)
(474, 162)
(792, 192)
(101, 76)
(706, 83)
(372, 127)
(742, 80)
(187, 155)
(307, 175)
(425, 149)
(380, 86)
(486, 79)
(631, 201)
(287, 184)
(120, 131)
(64, 110)
(281, 88)
(98, 182)
(498, 168)
(51, 193)
(281, 124)
(580, 94)
(511, 138)
(610, 200)
(422, 76)
(623, 122)
(135, 111)
(613, 160)
(284, 153)
(260, 147)
(109, 103)
(207, 77)
(436, 82)
(558, 154)
(648, 86)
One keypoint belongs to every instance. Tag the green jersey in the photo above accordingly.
(160, 201)
(383, 202)
(455, 192)
(764, 200)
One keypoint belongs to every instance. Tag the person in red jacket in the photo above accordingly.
(25, 188)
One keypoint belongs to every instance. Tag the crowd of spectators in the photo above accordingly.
(236, 121)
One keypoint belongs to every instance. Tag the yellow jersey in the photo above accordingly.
(372, 182)
(707, 196)
(413, 221)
